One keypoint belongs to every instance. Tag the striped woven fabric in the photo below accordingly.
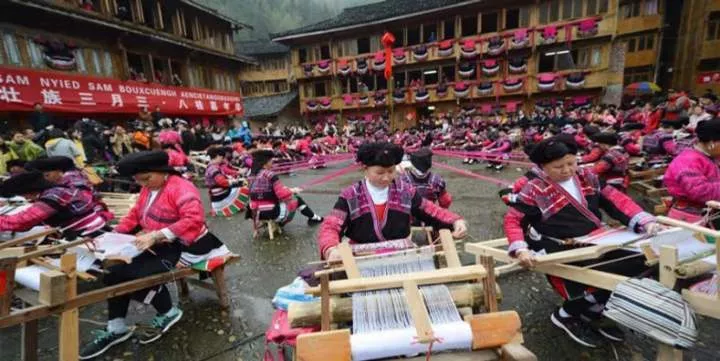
(648, 307)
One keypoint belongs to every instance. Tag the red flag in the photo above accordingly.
(387, 40)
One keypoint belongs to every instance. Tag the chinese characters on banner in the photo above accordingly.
(709, 78)
(20, 89)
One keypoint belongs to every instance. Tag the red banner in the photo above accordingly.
(59, 92)
(709, 78)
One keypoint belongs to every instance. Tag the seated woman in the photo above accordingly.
(430, 185)
(561, 201)
(376, 213)
(693, 177)
(269, 198)
(228, 194)
(61, 170)
(75, 211)
(612, 166)
(170, 217)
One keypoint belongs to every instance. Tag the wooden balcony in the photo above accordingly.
(639, 24)
(640, 58)
(710, 49)
(594, 79)
(264, 75)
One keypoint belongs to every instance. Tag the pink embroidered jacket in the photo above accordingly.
(693, 178)
(177, 207)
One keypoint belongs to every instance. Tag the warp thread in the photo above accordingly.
(497, 181)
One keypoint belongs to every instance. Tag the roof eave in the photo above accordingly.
(376, 22)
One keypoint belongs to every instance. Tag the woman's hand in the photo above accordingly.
(653, 228)
(333, 255)
(459, 229)
(526, 258)
(145, 241)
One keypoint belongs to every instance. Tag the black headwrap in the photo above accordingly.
(666, 123)
(627, 127)
(48, 164)
(605, 138)
(24, 183)
(422, 159)
(552, 149)
(709, 130)
(589, 130)
(381, 154)
(260, 158)
(144, 162)
(216, 151)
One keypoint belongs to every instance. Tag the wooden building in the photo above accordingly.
(488, 55)
(697, 57)
(269, 89)
(157, 43)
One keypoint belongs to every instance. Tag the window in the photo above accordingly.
(448, 73)
(12, 53)
(629, 9)
(650, 7)
(430, 76)
(381, 83)
(556, 59)
(95, 56)
(449, 29)
(147, 11)
(369, 81)
(400, 80)
(107, 63)
(512, 18)
(632, 45)
(571, 9)
(320, 89)
(713, 26)
(589, 57)
(709, 64)
(469, 25)
(549, 11)
(414, 76)
(413, 35)
(277, 87)
(36, 57)
(641, 43)
(430, 32)
(638, 74)
(325, 52)
(363, 45)
(489, 23)
(80, 59)
(302, 54)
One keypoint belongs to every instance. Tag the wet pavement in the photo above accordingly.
(207, 333)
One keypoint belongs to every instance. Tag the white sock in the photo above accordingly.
(117, 326)
(564, 314)
(590, 298)
(316, 218)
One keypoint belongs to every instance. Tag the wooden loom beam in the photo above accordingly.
(26, 238)
(419, 312)
(444, 275)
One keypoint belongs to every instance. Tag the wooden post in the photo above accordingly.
(325, 314)
(218, 276)
(29, 339)
(69, 320)
(668, 261)
(53, 288)
(7, 283)
(488, 262)
(351, 268)
(448, 244)
(419, 312)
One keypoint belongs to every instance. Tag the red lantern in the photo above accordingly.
(387, 40)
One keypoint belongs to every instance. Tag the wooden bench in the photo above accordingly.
(271, 226)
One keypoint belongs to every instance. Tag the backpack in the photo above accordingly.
(649, 308)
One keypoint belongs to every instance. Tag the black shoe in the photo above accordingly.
(315, 220)
(579, 331)
(608, 329)
(489, 166)
(103, 341)
(499, 167)
(160, 325)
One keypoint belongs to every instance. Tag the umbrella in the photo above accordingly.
(642, 88)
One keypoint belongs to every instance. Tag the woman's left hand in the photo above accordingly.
(459, 229)
(653, 228)
(145, 241)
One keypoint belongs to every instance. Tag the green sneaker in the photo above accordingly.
(159, 325)
(103, 341)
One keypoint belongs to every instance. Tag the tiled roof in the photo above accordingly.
(373, 12)
(260, 47)
(267, 105)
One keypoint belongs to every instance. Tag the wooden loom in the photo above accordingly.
(58, 292)
(671, 269)
(119, 203)
(495, 335)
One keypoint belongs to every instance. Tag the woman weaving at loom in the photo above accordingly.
(693, 177)
(228, 194)
(170, 215)
(270, 199)
(376, 213)
(561, 201)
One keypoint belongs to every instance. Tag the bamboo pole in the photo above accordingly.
(26, 238)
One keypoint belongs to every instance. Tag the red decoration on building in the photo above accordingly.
(387, 40)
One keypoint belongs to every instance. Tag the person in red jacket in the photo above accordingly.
(170, 216)
(612, 167)
(561, 201)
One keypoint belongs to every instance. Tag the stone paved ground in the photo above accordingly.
(210, 334)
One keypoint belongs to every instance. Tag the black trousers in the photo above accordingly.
(146, 264)
(574, 292)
